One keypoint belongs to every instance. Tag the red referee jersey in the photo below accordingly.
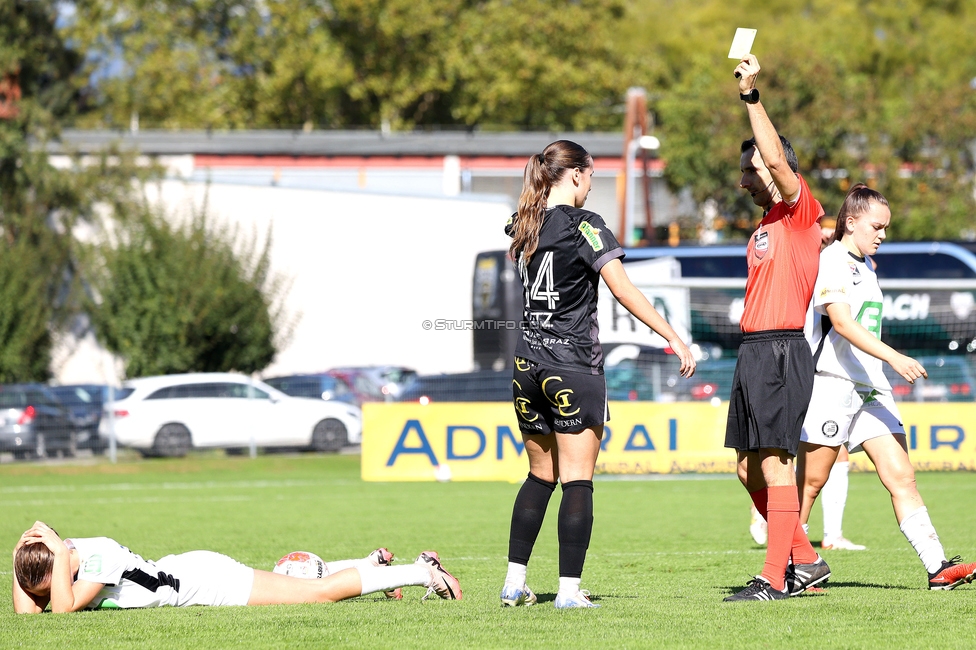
(783, 257)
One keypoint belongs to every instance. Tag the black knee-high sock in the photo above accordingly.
(575, 526)
(527, 516)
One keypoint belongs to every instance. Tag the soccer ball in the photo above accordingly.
(443, 473)
(301, 564)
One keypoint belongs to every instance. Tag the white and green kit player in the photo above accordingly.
(852, 403)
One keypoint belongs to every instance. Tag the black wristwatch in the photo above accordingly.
(751, 97)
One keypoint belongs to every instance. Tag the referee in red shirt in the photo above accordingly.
(774, 373)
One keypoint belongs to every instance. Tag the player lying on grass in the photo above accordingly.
(99, 573)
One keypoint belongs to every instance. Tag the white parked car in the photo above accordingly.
(171, 414)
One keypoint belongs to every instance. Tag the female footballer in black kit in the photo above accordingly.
(559, 389)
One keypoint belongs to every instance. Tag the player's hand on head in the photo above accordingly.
(41, 533)
(747, 71)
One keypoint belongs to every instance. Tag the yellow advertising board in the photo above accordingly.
(477, 441)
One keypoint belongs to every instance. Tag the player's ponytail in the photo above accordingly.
(856, 203)
(542, 172)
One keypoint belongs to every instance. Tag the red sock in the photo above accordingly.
(759, 498)
(783, 509)
(803, 552)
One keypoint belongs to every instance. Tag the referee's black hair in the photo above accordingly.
(856, 203)
(542, 172)
(791, 159)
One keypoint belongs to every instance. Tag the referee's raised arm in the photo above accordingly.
(767, 139)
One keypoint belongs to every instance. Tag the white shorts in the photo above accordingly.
(208, 578)
(844, 413)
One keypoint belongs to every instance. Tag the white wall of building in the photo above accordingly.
(366, 271)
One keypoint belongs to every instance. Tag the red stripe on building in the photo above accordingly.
(504, 163)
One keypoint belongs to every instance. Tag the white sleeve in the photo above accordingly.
(833, 283)
(102, 560)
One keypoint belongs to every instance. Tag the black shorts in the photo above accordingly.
(548, 400)
(771, 391)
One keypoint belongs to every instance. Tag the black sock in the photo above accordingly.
(527, 516)
(575, 526)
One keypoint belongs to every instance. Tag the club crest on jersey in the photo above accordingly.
(592, 236)
(830, 428)
(855, 272)
(762, 243)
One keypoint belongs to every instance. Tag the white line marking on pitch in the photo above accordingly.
(200, 485)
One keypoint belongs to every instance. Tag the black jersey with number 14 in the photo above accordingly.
(559, 290)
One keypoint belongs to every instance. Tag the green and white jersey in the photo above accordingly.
(129, 580)
(844, 277)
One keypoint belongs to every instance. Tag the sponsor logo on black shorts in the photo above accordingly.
(564, 424)
(830, 428)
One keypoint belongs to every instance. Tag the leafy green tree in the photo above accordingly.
(535, 64)
(170, 297)
(40, 204)
(402, 63)
(872, 88)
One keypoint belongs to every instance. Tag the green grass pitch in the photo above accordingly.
(663, 555)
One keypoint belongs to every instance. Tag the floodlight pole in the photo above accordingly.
(638, 142)
(636, 128)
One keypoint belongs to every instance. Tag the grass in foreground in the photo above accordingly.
(663, 555)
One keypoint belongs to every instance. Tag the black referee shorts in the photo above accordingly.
(547, 399)
(771, 391)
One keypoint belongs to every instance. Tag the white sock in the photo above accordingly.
(568, 586)
(516, 575)
(338, 565)
(385, 578)
(833, 500)
(920, 532)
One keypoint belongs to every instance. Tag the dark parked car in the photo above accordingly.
(84, 402)
(950, 380)
(33, 423)
(712, 379)
(376, 383)
(479, 386)
(317, 386)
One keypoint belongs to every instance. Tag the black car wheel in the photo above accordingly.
(329, 435)
(71, 449)
(172, 440)
(37, 450)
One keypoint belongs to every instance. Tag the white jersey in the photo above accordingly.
(194, 578)
(129, 580)
(846, 278)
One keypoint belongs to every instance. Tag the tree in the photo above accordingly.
(402, 63)
(865, 91)
(533, 64)
(40, 205)
(170, 297)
